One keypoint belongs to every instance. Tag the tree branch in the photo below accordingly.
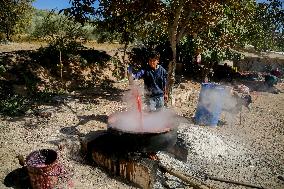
(183, 26)
(174, 27)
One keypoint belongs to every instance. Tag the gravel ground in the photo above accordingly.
(249, 152)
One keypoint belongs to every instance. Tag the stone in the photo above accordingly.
(182, 86)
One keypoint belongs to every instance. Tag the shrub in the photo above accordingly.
(14, 105)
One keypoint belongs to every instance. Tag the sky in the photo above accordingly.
(60, 4)
(51, 4)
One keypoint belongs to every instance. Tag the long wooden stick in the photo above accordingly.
(188, 179)
(199, 185)
(235, 182)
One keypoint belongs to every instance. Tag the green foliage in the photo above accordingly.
(52, 26)
(17, 105)
(15, 16)
(217, 56)
(37, 19)
(211, 24)
(46, 96)
(266, 31)
(2, 69)
(102, 36)
(64, 35)
(186, 50)
(14, 105)
(61, 32)
(118, 67)
(138, 57)
(30, 81)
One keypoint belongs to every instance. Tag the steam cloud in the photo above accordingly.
(130, 120)
(214, 99)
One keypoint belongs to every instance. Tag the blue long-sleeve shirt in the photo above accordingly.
(154, 80)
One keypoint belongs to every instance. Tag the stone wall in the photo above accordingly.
(260, 63)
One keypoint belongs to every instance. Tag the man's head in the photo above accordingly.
(154, 60)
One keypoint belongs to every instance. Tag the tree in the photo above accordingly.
(63, 35)
(15, 15)
(57, 27)
(266, 31)
(213, 24)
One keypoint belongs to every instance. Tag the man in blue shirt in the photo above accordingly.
(155, 80)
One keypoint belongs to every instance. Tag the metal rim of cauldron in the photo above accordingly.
(155, 140)
(143, 142)
(120, 131)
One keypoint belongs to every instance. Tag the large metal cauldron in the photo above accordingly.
(131, 141)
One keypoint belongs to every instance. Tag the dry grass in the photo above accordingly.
(21, 46)
(33, 45)
(103, 46)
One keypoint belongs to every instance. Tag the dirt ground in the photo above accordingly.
(249, 151)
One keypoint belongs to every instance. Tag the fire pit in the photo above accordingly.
(128, 147)
(129, 151)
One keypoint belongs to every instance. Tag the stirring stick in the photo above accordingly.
(139, 107)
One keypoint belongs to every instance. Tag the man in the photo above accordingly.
(155, 80)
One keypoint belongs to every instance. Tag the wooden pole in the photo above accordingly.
(61, 66)
(188, 179)
(235, 182)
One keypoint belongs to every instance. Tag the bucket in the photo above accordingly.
(210, 104)
(42, 168)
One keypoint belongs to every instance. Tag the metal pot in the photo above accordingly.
(145, 142)
(140, 141)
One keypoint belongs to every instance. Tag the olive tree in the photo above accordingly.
(15, 16)
(62, 34)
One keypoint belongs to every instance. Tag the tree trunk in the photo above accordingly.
(171, 73)
(8, 36)
(173, 31)
(61, 66)
(123, 59)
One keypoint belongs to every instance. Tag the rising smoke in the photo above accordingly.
(132, 120)
(222, 99)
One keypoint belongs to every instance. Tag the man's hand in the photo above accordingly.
(129, 69)
(166, 97)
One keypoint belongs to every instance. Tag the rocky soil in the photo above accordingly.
(250, 150)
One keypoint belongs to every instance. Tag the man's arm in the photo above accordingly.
(136, 75)
(166, 96)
